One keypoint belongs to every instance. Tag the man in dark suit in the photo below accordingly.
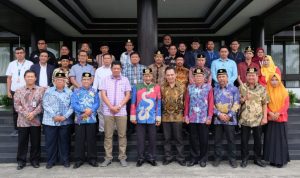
(43, 70)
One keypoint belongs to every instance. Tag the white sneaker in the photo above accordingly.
(105, 163)
(123, 163)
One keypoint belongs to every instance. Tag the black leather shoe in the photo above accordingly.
(35, 164)
(233, 163)
(259, 163)
(191, 163)
(139, 163)
(152, 162)
(21, 165)
(244, 163)
(217, 162)
(202, 163)
(93, 163)
(67, 164)
(166, 162)
(77, 164)
(182, 163)
(49, 166)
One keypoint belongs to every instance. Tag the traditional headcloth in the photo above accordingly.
(267, 71)
(277, 94)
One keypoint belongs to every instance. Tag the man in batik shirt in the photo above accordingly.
(226, 100)
(158, 69)
(198, 114)
(254, 102)
(182, 73)
(57, 121)
(85, 102)
(172, 117)
(146, 114)
(28, 105)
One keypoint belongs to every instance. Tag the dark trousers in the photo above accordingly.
(173, 129)
(15, 114)
(246, 132)
(130, 126)
(141, 130)
(34, 134)
(228, 131)
(199, 138)
(85, 134)
(57, 144)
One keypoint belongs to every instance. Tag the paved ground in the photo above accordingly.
(172, 170)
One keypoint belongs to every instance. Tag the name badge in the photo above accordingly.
(34, 104)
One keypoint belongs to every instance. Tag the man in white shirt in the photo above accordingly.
(125, 56)
(101, 73)
(15, 78)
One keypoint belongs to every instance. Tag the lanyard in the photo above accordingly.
(19, 69)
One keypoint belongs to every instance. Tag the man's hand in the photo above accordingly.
(9, 95)
(134, 122)
(30, 116)
(276, 116)
(264, 121)
(208, 121)
(157, 123)
(88, 111)
(114, 109)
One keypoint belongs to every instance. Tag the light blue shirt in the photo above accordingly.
(227, 64)
(77, 70)
(57, 103)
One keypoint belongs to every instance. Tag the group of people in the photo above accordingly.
(195, 90)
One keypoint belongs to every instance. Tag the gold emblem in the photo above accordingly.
(128, 41)
(251, 70)
(59, 75)
(86, 75)
(158, 52)
(147, 71)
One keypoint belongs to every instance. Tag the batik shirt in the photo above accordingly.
(82, 99)
(26, 101)
(57, 103)
(252, 109)
(172, 102)
(226, 101)
(145, 103)
(182, 75)
(199, 103)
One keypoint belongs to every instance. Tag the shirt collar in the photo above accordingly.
(225, 60)
(119, 78)
(64, 89)
(33, 88)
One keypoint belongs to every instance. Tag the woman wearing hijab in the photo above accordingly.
(259, 56)
(276, 145)
(268, 67)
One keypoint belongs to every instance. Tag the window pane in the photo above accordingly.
(292, 58)
(292, 84)
(4, 57)
(244, 44)
(54, 48)
(3, 89)
(277, 55)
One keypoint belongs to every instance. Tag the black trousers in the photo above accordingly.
(130, 126)
(173, 129)
(85, 134)
(141, 130)
(57, 140)
(245, 134)
(34, 134)
(199, 141)
(228, 131)
(15, 114)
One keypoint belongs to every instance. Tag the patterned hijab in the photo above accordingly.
(277, 94)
